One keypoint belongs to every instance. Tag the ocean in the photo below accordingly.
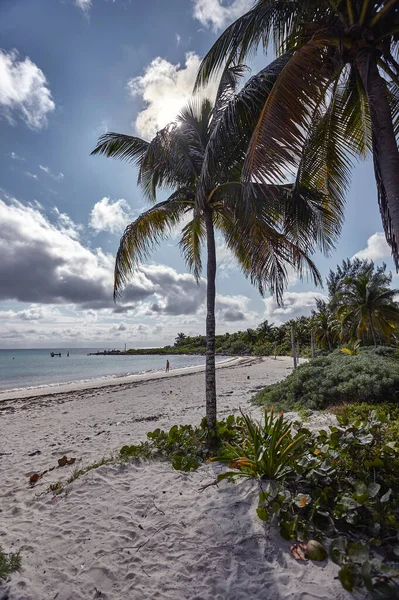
(21, 369)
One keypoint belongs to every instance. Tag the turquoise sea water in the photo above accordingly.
(35, 368)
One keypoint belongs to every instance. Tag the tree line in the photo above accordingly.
(361, 310)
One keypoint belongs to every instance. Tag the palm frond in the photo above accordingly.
(147, 231)
(118, 145)
(325, 170)
(268, 19)
(228, 85)
(171, 160)
(280, 135)
(192, 239)
(263, 250)
(233, 129)
(355, 114)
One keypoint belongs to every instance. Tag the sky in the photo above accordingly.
(71, 70)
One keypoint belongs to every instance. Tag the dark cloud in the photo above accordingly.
(232, 315)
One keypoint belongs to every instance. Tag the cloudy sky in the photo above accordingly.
(69, 71)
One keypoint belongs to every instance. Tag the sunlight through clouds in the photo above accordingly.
(165, 88)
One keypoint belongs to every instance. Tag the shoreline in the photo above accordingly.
(142, 529)
(119, 381)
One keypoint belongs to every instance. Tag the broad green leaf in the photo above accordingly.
(337, 550)
(347, 577)
(262, 513)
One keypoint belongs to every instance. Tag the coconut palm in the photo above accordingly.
(180, 338)
(368, 307)
(269, 229)
(324, 324)
(341, 80)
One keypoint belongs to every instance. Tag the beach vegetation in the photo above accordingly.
(340, 82)
(186, 446)
(371, 375)
(265, 449)
(337, 490)
(9, 563)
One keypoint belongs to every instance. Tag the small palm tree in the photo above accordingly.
(368, 307)
(200, 158)
(180, 339)
(341, 80)
(324, 325)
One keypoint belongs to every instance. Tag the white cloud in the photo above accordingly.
(29, 174)
(49, 172)
(165, 89)
(67, 226)
(85, 5)
(24, 91)
(15, 156)
(377, 248)
(295, 304)
(226, 260)
(32, 313)
(110, 216)
(178, 39)
(215, 13)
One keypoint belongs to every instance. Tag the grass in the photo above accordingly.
(59, 487)
(9, 562)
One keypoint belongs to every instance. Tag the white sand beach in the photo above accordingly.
(139, 531)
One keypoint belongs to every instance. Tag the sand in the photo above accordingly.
(140, 531)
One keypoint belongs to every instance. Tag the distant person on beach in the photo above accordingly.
(167, 367)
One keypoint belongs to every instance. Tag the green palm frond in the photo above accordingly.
(263, 251)
(191, 242)
(325, 167)
(171, 160)
(124, 147)
(148, 230)
(233, 129)
(355, 114)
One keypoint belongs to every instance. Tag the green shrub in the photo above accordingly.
(184, 445)
(372, 376)
(9, 563)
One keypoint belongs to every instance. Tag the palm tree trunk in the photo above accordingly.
(385, 149)
(372, 328)
(210, 373)
(328, 341)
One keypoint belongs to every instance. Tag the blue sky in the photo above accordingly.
(70, 70)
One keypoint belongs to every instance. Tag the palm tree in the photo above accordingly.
(324, 325)
(266, 227)
(264, 330)
(368, 306)
(180, 339)
(341, 81)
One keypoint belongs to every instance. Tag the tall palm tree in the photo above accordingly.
(368, 306)
(341, 80)
(266, 227)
